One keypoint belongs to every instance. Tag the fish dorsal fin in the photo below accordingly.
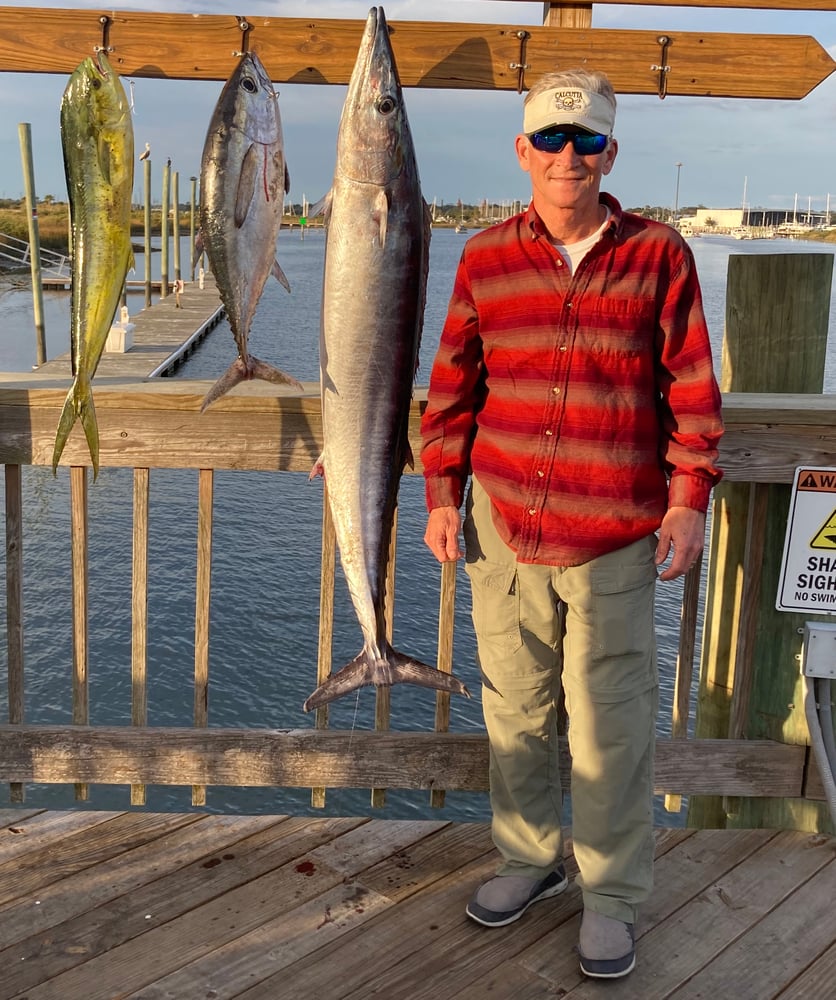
(380, 213)
(246, 185)
(279, 274)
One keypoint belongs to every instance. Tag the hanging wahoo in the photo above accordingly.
(98, 145)
(376, 261)
(243, 181)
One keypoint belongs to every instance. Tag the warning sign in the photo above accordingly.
(808, 567)
(826, 537)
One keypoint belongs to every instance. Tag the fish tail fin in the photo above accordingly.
(242, 370)
(269, 373)
(78, 405)
(393, 667)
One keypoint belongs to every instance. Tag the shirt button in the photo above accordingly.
(549, 433)
(562, 347)
(568, 305)
(540, 473)
(532, 511)
(556, 390)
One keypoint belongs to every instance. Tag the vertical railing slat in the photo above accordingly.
(324, 657)
(14, 604)
(139, 614)
(80, 556)
(383, 695)
(446, 619)
(203, 590)
(685, 665)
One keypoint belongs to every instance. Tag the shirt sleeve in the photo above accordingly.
(455, 397)
(690, 403)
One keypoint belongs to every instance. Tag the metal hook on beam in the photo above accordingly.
(245, 26)
(663, 68)
(105, 22)
(522, 65)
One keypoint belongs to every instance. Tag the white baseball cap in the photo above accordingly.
(569, 106)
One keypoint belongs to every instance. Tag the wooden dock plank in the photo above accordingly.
(43, 829)
(183, 842)
(276, 908)
(815, 981)
(76, 958)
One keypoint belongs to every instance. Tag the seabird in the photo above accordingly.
(147, 153)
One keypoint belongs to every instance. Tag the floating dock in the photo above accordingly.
(162, 336)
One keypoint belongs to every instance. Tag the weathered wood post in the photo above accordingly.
(777, 311)
(175, 224)
(146, 188)
(24, 131)
(164, 210)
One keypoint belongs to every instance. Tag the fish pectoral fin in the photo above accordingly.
(380, 214)
(245, 191)
(104, 154)
(286, 180)
(322, 207)
(279, 275)
(318, 468)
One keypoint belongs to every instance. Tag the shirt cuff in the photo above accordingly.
(686, 490)
(443, 492)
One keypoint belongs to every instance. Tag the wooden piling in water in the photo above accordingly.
(24, 130)
(777, 309)
(147, 219)
(164, 209)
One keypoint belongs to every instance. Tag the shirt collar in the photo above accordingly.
(537, 229)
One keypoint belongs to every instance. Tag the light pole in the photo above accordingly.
(676, 196)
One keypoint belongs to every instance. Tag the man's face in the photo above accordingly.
(566, 180)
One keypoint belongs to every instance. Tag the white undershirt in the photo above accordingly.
(574, 253)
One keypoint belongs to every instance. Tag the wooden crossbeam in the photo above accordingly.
(303, 758)
(429, 54)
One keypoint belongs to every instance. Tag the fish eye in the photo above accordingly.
(249, 85)
(97, 83)
(386, 105)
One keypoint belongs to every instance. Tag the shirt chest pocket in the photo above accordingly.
(617, 327)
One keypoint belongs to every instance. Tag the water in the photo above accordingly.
(266, 560)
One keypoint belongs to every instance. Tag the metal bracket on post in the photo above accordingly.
(663, 68)
(105, 22)
(522, 65)
(245, 26)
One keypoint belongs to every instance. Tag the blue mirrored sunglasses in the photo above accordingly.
(584, 143)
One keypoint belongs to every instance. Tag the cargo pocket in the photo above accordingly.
(496, 604)
(622, 655)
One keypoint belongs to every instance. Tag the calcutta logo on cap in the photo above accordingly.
(569, 100)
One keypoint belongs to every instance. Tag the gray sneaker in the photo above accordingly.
(607, 946)
(505, 898)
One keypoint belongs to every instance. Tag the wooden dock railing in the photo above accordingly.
(264, 428)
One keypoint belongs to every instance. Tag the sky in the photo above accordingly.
(768, 153)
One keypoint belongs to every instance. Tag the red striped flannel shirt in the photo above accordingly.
(585, 403)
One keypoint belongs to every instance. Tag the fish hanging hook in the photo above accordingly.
(522, 65)
(105, 22)
(245, 27)
(663, 68)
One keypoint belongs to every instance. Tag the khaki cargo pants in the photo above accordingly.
(591, 627)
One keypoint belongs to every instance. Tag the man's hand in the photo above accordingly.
(442, 534)
(684, 529)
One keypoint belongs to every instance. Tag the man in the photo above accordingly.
(574, 382)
